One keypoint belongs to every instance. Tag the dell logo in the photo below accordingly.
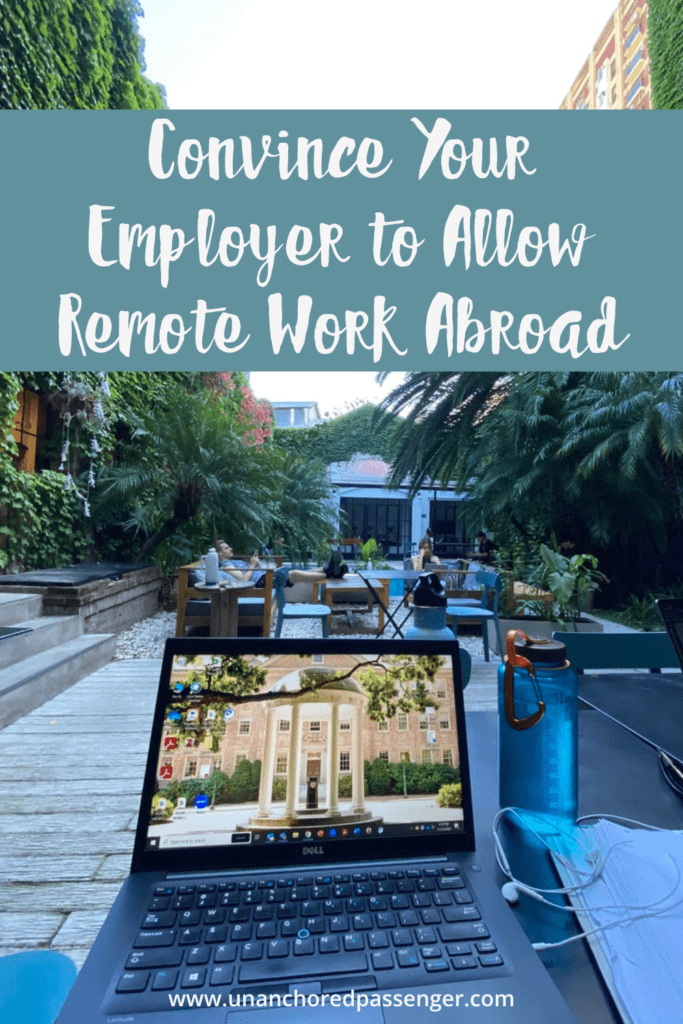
(313, 850)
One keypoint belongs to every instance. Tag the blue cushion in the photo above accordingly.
(195, 607)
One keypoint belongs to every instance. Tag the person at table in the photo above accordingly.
(484, 550)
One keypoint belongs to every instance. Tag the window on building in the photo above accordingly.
(384, 756)
(239, 758)
(245, 726)
(318, 659)
(190, 769)
(444, 722)
(404, 757)
(448, 757)
(383, 726)
(402, 721)
(344, 761)
(634, 91)
(424, 723)
(216, 764)
(281, 764)
(632, 63)
(314, 726)
(427, 756)
(284, 725)
(441, 694)
(345, 725)
(632, 38)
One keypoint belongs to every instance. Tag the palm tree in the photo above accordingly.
(186, 460)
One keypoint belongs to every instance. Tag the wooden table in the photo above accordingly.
(224, 610)
(355, 585)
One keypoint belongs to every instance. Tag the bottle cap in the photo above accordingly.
(541, 649)
(429, 593)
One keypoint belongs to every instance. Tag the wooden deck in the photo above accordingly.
(70, 781)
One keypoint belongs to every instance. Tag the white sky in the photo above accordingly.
(287, 54)
(332, 391)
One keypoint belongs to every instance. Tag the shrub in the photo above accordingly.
(345, 786)
(450, 795)
(379, 778)
(279, 788)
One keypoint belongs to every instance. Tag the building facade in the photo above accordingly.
(616, 74)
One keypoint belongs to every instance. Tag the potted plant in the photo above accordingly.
(571, 581)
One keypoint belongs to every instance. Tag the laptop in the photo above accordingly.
(305, 848)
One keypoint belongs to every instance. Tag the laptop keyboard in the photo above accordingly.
(368, 929)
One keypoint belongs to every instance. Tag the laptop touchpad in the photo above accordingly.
(309, 1014)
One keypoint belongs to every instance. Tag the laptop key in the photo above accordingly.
(294, 967)
(378, 940)
(402, 937)
(425, 935)
(278, 949)
(225, 953)
(436, 965)
(463, 931)
(486, 947)
(161, 937)
(164, 981)
(408, 919)
(143, 958)
(304, 947)
(464, 963)
(431, 952)
(240, 933)
(133, 981)
(159, 903)
(266, 930)
(328, 944)
(193, 977)
(407, 958)
(198, 955)
(490, 959)
(189, 936)
(382, 960)
(353, 942)
(463, 896)
(252, 951)
(459, 949)
(466, 913)
(165, 919)
(221, 975)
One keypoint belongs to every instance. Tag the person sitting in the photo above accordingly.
(425, 553)
(485, 549)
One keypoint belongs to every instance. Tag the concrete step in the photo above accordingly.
(28, 684)
(16, 608)
(47, 631)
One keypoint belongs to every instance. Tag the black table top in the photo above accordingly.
(618, 774)
(650, 704)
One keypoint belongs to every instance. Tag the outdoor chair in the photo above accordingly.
(491, 583)
(297, 610)
(194, 608)
(619, 650)
(34, 985)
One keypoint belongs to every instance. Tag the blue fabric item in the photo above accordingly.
(196, 576)
(34, 985)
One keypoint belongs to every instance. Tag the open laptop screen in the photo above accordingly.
(273, 747)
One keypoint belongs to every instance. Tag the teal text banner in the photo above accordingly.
(308, 240)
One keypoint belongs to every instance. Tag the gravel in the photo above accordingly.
(146, 638)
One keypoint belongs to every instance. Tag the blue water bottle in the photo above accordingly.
(538, 727)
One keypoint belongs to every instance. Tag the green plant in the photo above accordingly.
(74, 54)
(345, 786)
(570, 580)
(641, 613)
(279, 788)
(665, 42)
(450, 795)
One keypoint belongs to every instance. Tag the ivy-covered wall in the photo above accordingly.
(361, 430)
(666, 53)
(73, 54)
